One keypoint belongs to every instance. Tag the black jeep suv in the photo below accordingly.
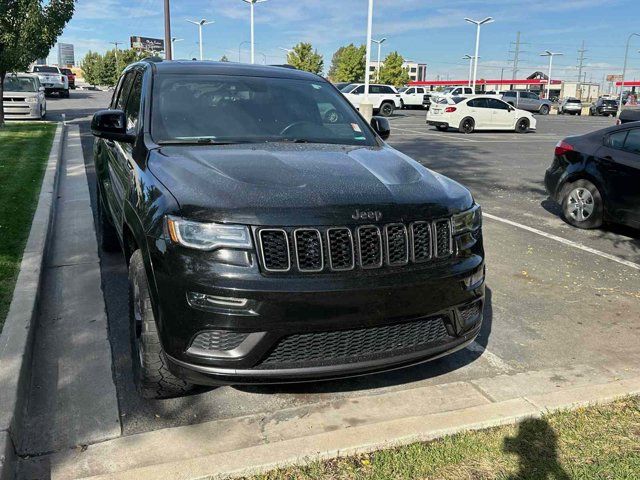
(271, 234)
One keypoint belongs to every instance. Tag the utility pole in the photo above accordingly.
(516, 57)
(624, 70)
(168, 46)
(580, 66)
(252, 3)
(116, 54)
(366, 107)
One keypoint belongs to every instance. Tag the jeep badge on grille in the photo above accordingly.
(367, 215)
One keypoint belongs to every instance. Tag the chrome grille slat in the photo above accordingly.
(342, 248)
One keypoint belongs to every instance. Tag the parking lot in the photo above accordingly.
(562, 304)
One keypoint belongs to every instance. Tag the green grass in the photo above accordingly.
(24, 150)
(599, 442)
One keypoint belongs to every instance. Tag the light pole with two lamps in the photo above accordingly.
(471, 59)
(253, 3)
(200, 24)
(379, 42)
(624, 71)
(478, 24)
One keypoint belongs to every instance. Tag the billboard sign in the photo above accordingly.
(614, 78)
(147, 44)
(66, 57)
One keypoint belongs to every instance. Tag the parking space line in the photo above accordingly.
(570, 243)
(493, 360)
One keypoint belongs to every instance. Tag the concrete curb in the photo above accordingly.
(272, 453)
(16, 339)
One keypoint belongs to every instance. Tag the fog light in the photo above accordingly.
(474, 279)
(203, 300)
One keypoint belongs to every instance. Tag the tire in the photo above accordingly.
(544, 110)
(591, 114)
(579, 114)
(64, 94)
(522, 125)
(108, 234)
(386, 109)
(467, 125)
(151, 376)
(442, 128)
(582, 204)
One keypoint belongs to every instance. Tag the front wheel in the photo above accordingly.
(467, 125)
(544, 110)
(386, 109)
(522, 125)
(151, 375)
(582, 204)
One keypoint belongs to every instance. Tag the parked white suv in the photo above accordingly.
(412, 96)
(449, 92)
(52, 79)
(385, 98)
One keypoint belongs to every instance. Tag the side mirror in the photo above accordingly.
(512, 108)
(381, 126)
(111, 125)
(41, 89)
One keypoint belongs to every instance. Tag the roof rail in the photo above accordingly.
(155, 59)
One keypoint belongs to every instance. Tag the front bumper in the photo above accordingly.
(295, 328)
(21, 111)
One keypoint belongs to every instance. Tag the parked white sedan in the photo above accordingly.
(478, 113)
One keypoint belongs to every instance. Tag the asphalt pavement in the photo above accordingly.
(550, 303)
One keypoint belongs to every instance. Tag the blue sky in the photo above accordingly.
(430, 31)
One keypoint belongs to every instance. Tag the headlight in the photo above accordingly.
(207, 236)
(467, 221)
(31, 99)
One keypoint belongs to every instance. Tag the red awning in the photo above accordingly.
(629, 83)
(482, 81)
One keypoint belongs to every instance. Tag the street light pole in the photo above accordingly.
(200, 24)
(549, 54)
(477, 23)
(624, 71)
(471, 59)
(366, 108)
(168, 47)
(287, 51)
(379, 42)
(173, 41)
(252, 3)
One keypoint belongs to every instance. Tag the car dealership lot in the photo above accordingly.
(562, 304)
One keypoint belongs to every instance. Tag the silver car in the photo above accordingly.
(23, 97)
(571, 106)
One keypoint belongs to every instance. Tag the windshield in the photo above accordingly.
(348, 87)
(66, 71)
(42, 69)
(403, 89)
(610, 103)
(573, 100)
(447, 90)
(20, 84)
(236, 109)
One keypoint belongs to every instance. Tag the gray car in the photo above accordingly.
(570, 105)
(23, 97)
(527, 101)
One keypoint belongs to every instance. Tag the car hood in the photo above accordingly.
(282, 184)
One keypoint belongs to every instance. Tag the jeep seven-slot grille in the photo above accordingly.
(343, 248)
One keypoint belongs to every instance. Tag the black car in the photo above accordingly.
(272, 236)
(595, 177)
(604, 106)
(629, 114)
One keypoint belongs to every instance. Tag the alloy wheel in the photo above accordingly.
(580, 204)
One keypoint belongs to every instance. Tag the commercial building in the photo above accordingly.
(66, 56)
(417, 71)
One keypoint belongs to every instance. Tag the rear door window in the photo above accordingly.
(497, 104)
(478, 103)
(632, 142)
(616, 140)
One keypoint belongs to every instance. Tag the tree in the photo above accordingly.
(303, 57)
(91, 67)
(224, 58)
(348, 64)
(28, 30)
(392, 72)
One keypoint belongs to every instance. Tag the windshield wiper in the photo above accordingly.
(200, 141)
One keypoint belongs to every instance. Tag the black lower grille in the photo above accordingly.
(358, 345)
(218, 340)
(469, 313)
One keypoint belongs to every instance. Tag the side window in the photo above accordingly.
(420, 90)
(632, 143)
(121, 101)
(616, 140)
(116, 91)
(411, 91)
(509, 94)
(132, 109)
(478, 103)
(376, 89)
(497, 104)
(457, 91)
(360, 89)
(468, 91)
(386, 89)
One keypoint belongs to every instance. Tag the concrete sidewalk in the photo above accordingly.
(72, 398)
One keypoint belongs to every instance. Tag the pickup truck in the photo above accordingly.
(52, 79)
(385, 98)
(412, 97)
(527, 101)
